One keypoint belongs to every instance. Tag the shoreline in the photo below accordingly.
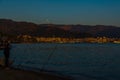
(21, 74)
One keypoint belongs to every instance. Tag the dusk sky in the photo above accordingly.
(86, 12)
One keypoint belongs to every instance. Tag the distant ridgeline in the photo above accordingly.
(13, 29)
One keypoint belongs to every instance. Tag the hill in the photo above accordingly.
(10, 27)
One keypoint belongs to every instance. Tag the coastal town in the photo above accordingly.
(27, 32)
(31, 39)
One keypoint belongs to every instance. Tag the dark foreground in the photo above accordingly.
(17, 74)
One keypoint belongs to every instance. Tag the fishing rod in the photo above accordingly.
(49, 57)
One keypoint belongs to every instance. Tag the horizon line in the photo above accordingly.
(56, 23)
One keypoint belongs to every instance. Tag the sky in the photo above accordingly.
(86, 12)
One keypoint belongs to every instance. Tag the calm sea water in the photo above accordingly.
(81, 61)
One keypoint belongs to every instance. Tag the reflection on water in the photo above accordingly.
(81, 61)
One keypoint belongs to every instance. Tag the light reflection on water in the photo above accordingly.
(98, 61)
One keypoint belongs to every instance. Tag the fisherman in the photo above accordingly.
(7, 53)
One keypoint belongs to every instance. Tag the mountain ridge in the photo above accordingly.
(8, 26)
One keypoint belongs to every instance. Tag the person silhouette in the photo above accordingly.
(7, 53)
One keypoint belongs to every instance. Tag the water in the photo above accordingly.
(81, 61)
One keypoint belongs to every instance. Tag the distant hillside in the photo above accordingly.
(10, 27)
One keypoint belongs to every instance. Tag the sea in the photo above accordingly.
(81, 61)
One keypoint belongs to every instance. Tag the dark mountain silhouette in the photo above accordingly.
(95, 31)
(10, 27)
